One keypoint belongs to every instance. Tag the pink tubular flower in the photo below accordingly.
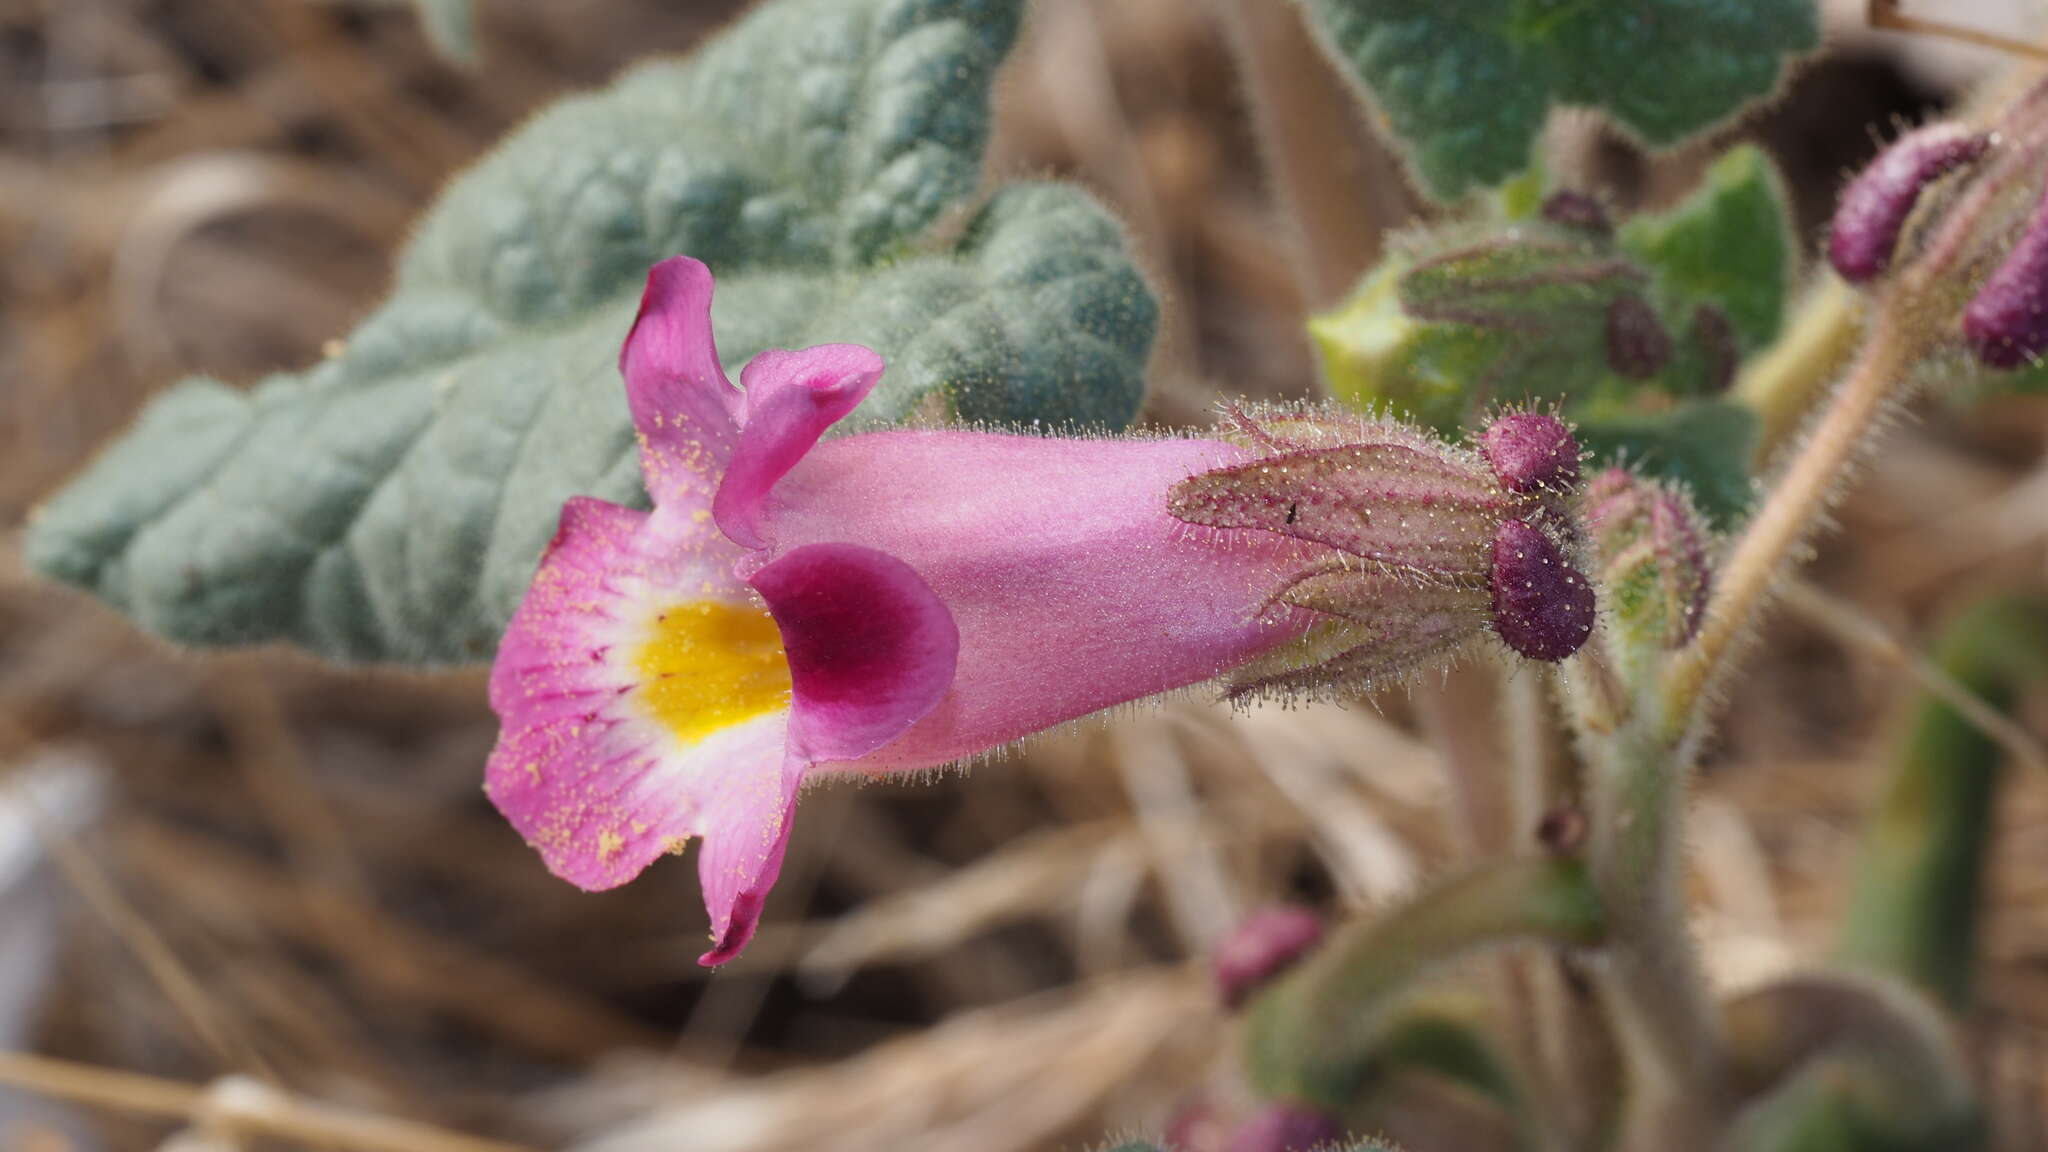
(903, 599)
(887, 601)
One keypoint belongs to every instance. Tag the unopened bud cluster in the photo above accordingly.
(1413, 547)
(2005, 324)
(1651, 555)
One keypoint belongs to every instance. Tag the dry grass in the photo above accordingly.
(282, 881)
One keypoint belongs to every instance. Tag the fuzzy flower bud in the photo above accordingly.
(1266, 944)
(1651, 555)
(1531, 452)
(1286, 1127)
(1638, 347)
(1411, 547)
(2007, 322)
(1873, 209)
(1542, 606)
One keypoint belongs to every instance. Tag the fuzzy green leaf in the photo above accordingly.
(390, 504)
(1729, 244)
(1468, 85)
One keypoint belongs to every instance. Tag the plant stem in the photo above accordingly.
(1796, 503)
(1655, 991)
(1887, 1044)
(1780, 384)
(1314, 1032)
(235, 1106)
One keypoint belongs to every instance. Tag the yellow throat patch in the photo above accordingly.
(711, 665)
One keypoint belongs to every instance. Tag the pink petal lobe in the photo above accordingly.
(791, 398)
(686, 411)
(747, 823)
(581, 768)
(871, 647)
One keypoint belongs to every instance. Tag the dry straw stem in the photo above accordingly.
(1868, 637)
(1003, 1079)
(1890, 14)
(234, 1106)
(1336, 192)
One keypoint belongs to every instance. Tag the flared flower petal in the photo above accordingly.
(637, 671)
(871, 647)
(686, 411)
(792, 397)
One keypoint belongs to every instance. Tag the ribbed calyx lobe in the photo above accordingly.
(1871, 215)
(1412, 547)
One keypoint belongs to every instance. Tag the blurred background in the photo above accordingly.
(246, 874)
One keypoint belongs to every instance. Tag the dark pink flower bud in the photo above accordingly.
(1286, 1127)
(1542, 606)
(1531, 451)
(2007, 322)
(1638, 347)
(1873, 209)
(1265, 945)
(1577, 210)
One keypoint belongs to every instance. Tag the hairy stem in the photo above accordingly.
(1651, 980)
(1795, 505)
(1781, 384)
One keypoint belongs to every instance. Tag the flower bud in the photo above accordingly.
(1542, 606)
(2006, 323)
(1531, 452)
(1266, 944)
(1412, 547)
(1286, 1127)
(1651, 556)
(1873, 209)
(1638, 347)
